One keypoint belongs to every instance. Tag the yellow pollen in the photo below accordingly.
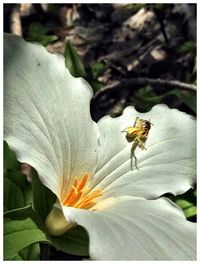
(79, 196)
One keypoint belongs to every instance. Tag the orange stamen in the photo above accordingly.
(86, 205)
(69, 196)
(76, 199)
(89, 199)
(83, 182)
(79, 196)
(75, 182)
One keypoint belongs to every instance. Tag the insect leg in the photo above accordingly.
(141, 142)
(136, 121)
(134, 146)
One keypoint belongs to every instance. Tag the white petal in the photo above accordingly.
(168, 164)
(47, 115)
(137, 229)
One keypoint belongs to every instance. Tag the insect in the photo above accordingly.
(137, 134)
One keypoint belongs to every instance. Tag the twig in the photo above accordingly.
(15, 21)
(160, 17)
(127, 84)
(172, 83)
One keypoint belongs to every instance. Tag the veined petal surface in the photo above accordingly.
(168, 164)
(129, 228)
(47, 114)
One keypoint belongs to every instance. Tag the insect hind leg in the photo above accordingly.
(135, 158)
(134, 146)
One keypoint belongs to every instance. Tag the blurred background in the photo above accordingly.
(120, 49)
(131, 54)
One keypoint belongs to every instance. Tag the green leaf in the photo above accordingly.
(145, 98)
(31, 252)
(157, 7)
(17, 190)
(189, 98)
(193, 77)
(97, 69)
(188, 207)
(46, 40)
(73, 61)
(19, 213)
(187, 202)
(190, 211)
(13, 196)
(39, 33)
(20, 231)
(20, 234)
(148, 95)
(75, 241)
(186, 46)
(96, 85)
(43, 198)
(10, 161)
(135, 7)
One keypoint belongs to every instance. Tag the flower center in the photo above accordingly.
(80, 196)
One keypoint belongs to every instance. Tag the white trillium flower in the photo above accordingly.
(87, 164)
